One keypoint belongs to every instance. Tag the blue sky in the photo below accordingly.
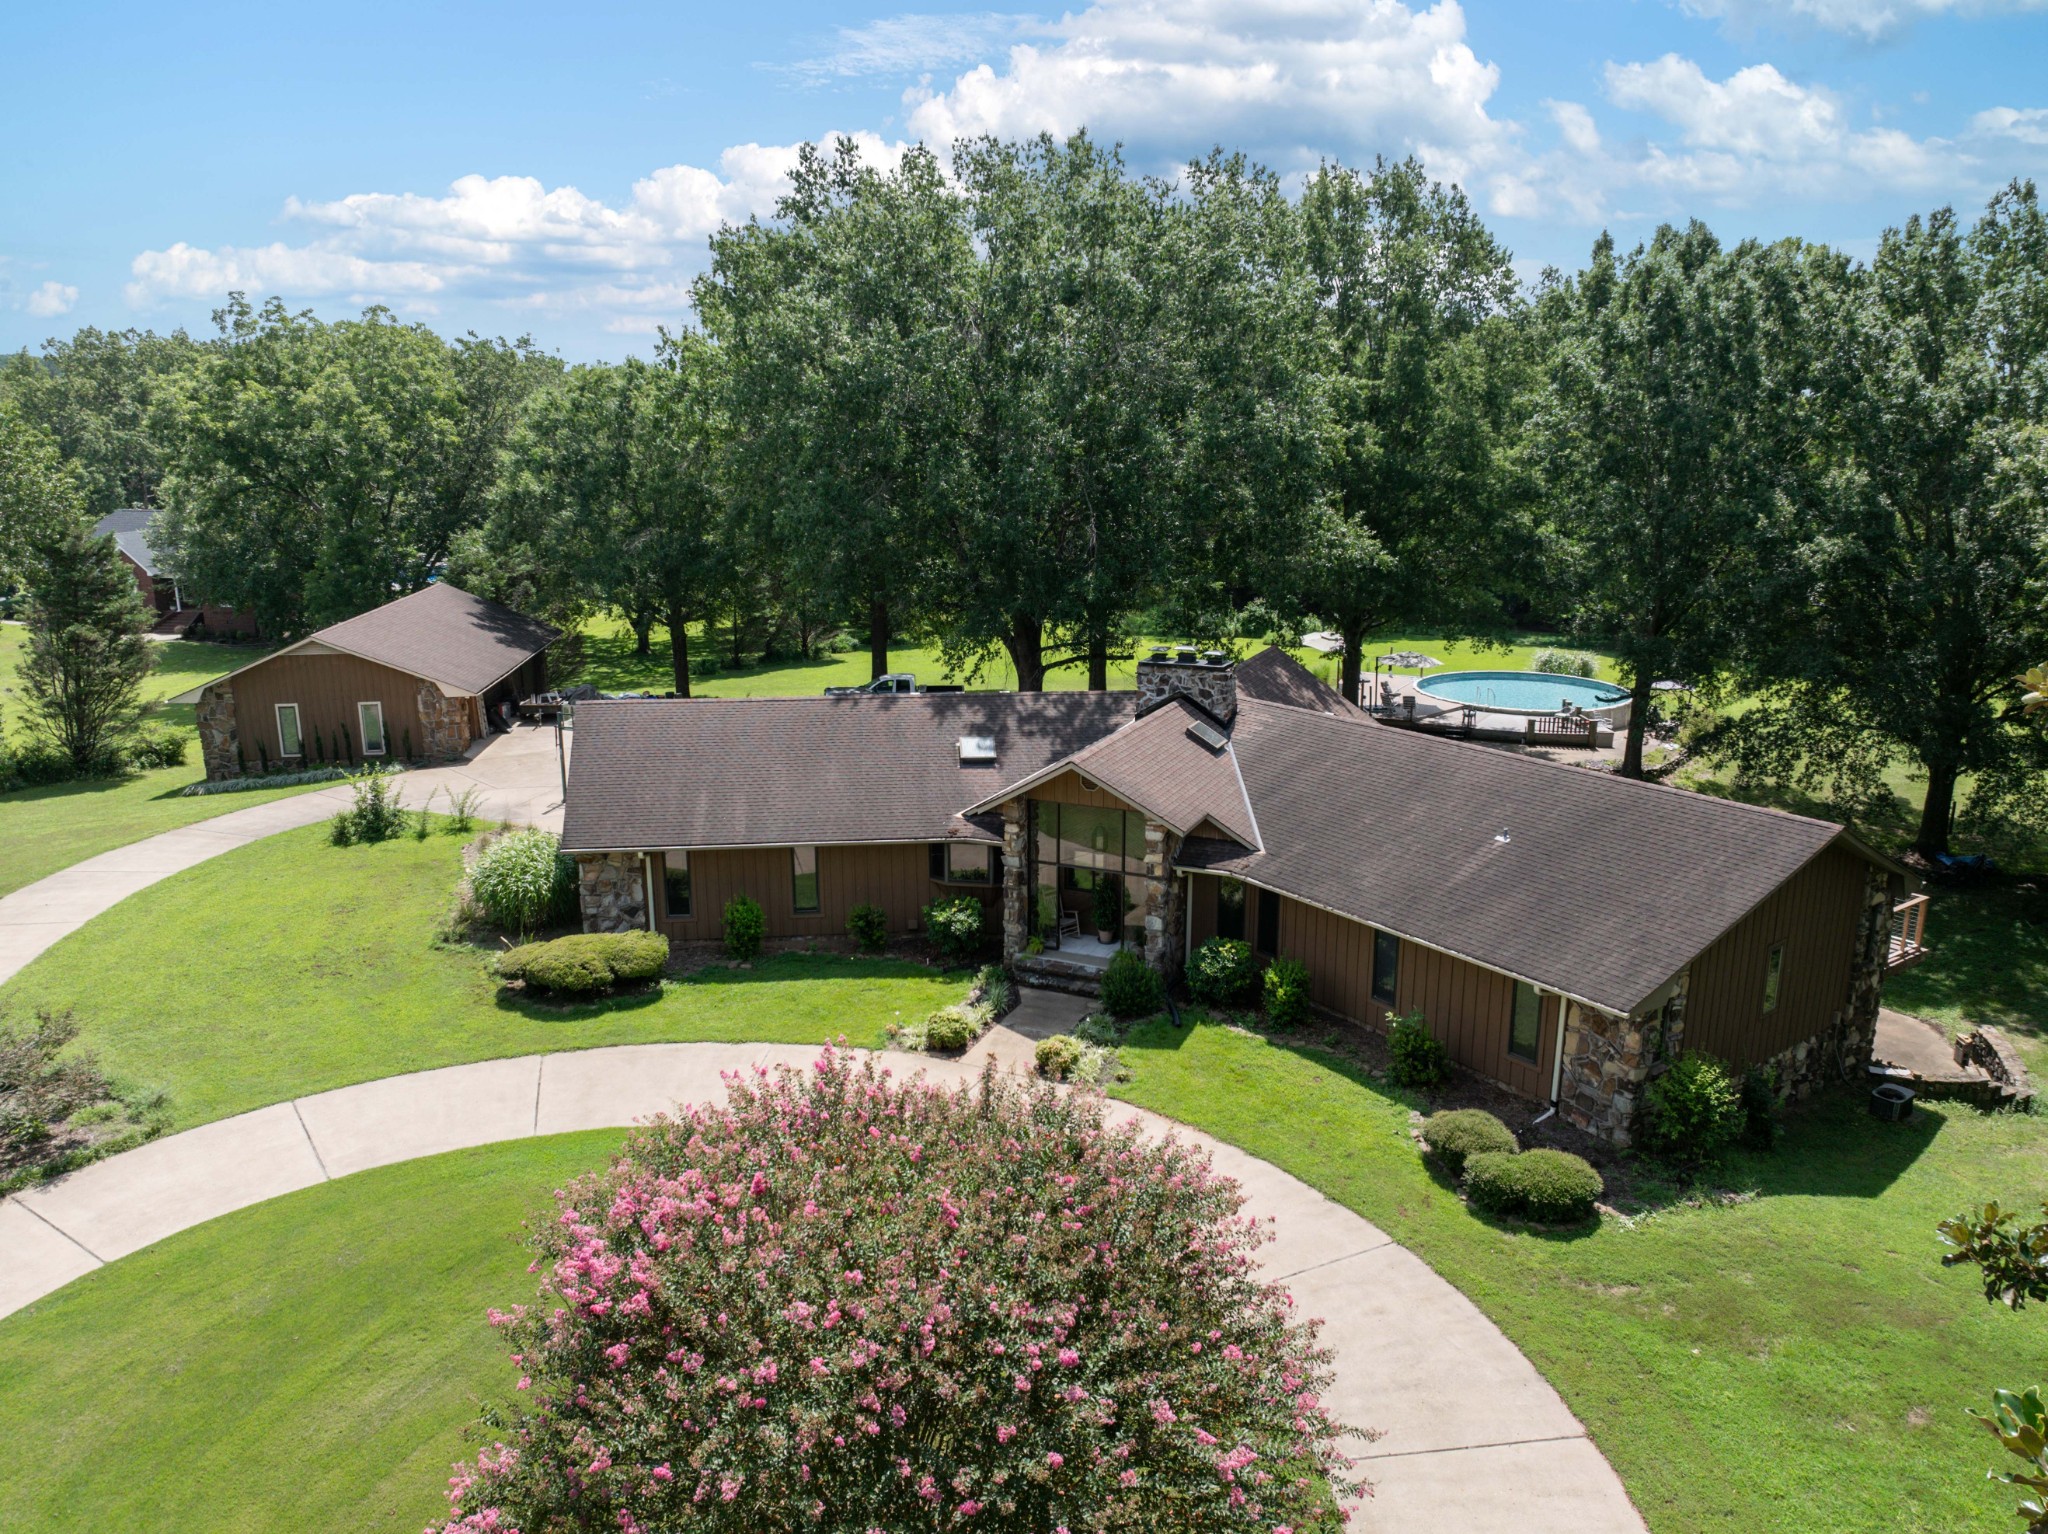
(555, 170)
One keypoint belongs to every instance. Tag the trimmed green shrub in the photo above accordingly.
(1693, 1111)
(522, 882)
(159, 748)
(1417, 1057)
(1222, 973)
(1131, 987)
(1551, 1187)
(953, 1027)
(1461, 1132)
(869, 925)
(954, 926)
(587, 961)
(1057, 1056)
(1286, 988)
(1565, 663)
(745, 925)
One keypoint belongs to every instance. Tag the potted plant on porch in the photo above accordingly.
(1109, 907)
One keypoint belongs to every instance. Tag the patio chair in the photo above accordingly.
(1070, 923)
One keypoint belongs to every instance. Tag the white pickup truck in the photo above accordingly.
(896, 683)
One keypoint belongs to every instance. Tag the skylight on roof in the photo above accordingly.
(977, 748)
(1208, 735)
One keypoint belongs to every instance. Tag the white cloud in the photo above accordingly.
(51, 298)
(1289, 81)
(1759, 135)
(912, 44)
(2027, 125)
(1575, 126)
(1866, 19)
(509, 239)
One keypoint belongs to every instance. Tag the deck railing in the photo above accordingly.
(1909, 930)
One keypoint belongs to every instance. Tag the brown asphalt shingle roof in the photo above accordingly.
(1604, 888)
(444, 634)
(1274, 676)
(735, 772)
(1158, 766)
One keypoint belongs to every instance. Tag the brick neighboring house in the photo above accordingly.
(178, 611)
(1564, 932)
(419, 678)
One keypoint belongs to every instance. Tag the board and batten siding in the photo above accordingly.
(327, 689)
(1814, 914)
(1469, 1007)
(896, 877)
(1067, 788)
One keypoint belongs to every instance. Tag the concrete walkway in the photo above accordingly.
(1474, 1437)
(517, 774)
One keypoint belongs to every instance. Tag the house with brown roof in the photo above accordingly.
(177, 610)
(1564, 932)
(418, 679)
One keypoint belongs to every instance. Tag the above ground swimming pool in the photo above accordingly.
(1526, 692)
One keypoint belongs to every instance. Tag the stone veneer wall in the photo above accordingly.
(1163, 910)
(612, 889)
(219, 734)
(1016, 880)
(444, 725)
(1214, 687)
(1608, 1059)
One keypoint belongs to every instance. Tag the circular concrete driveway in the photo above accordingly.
(1474, 1438)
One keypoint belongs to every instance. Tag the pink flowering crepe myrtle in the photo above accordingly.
(841, 1302)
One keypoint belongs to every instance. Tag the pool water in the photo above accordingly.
(1520, 692)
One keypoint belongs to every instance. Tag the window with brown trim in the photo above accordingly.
(1267, 942)
(1230, 909)
(289, 740)
(1525, 1032)
(1386, 967)
(803, 870)
(675, 885)
(1774, 969)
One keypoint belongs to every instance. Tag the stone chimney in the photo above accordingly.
(1208, 680)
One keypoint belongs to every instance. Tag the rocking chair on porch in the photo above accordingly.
(1070, 923)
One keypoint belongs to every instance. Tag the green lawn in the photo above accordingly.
(45, 829)
(1796, 1362)
(291, 966)
(311, 1362)
(613, 667)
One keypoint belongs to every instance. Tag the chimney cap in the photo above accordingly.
(1159, 652)
(1185, 654)
(1215, 658)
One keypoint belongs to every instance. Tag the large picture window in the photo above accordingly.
(1229, 909)
(1525, 1032)
(968, 862)
(675, 885)
(803, 869)
(288, 741)
(1078, 849)
(371, 717)
(1386, 967)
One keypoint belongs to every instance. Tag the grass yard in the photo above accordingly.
(613, 667)
(45, 829)
(1798, 1361)
(291, 966)
(311, 1362)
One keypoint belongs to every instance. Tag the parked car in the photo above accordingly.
(895, 683)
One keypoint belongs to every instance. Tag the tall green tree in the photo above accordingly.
(612, 490)
(96, 394)
(1065, 412)
(40, 497)
(1415, 335)
(834, 321)
(86, 658)
(1677, 435)
(319, 469)
(1928, 557)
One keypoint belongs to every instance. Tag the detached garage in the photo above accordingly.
(418, 679)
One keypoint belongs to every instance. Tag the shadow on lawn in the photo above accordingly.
(1987, 960)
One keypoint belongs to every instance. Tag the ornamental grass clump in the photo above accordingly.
(843, 1303)
(523, 882)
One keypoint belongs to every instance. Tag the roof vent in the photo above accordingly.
(1208, 735)
(1502, 837)
(977, 748)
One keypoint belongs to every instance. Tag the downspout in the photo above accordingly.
(647, 884)
(1556, 1066)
